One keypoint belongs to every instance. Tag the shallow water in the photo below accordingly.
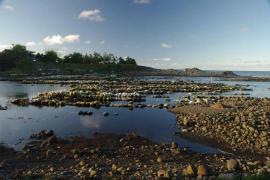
(260, 89)
(18, 123)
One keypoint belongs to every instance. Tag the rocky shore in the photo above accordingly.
(238, 124)
(93, 93)
(109, 156)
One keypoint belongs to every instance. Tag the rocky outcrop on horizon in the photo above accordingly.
(192, 72)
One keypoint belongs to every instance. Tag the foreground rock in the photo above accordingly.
(238, 124)
(118, 156)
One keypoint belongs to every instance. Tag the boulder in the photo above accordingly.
(188, 171)
(232, 164)
(202, 170)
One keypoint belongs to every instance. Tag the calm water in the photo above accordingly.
(18, 123)
(253, 73)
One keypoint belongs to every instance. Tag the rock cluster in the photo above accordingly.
(109, 156)
(239, 123)
(103, 92)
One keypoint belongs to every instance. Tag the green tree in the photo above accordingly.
(51, 57)
(130, 60)
(76, 58)
(18, 56)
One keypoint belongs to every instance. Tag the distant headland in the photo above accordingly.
(19, 61)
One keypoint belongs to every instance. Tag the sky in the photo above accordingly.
(208, 34)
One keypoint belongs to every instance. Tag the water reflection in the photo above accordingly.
(18, 123)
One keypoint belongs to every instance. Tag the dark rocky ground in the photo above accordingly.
(110, 156)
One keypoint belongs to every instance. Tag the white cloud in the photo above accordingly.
(52, 40)
(30, 44)
(92, 15)
(102, 42)
(4, 46)
(244, 29)
(163, 59)
(87, 42)
(59, 40)
(8, 7)
(164, 45)
(142, 1)
(71, 38)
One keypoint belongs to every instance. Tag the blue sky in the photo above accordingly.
(209, 34)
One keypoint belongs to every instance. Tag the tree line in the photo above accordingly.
(18, 56)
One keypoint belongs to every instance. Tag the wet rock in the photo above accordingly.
(227, 176)
(21, 102)
(42, 134)
(49, 141)
(3, 108)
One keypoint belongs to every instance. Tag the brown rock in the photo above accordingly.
(163, 173)
(188, 171)
(202, 170)
(217, 106)
(232, 164)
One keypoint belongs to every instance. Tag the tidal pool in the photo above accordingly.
(18, 123)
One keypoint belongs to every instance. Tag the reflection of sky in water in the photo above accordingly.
(10, 90)
(155, 124)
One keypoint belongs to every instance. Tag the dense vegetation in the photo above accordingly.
(18, 59)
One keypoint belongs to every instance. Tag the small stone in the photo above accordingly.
(2, 164)
(159, 159)
(162, 173)
(81, 163)
(114, 167)
(76, 156)
(188, 171)
(174, 145)
(217, 106)
(232, 164)
(120, 169)
(92, 172)
(49, 153)
(202, 170)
